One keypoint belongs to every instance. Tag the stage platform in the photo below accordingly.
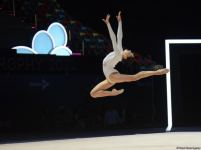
(149, 141)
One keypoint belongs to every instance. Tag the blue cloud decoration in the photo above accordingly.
(51, 42)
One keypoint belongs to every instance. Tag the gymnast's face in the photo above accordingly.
(127, 54)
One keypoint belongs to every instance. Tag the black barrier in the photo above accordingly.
(39, 97)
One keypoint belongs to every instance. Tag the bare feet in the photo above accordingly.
(107, 19)
(162, 71)
(116, 92)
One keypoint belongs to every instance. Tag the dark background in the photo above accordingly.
(145, 23)
(186, 73)
(47, 96)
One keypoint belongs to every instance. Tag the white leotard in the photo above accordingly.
(114, 57)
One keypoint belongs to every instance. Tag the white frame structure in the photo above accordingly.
(168, 77)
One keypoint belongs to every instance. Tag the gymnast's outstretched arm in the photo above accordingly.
(111, 33)
(119, 32)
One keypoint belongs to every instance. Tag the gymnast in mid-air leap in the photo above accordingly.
(118, 54)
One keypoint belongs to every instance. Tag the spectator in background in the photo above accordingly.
(111, 118)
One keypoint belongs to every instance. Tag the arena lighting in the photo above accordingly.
(50, 42)
(168, 78)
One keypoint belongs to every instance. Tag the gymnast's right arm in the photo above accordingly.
(119, 32)
(111, 33)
